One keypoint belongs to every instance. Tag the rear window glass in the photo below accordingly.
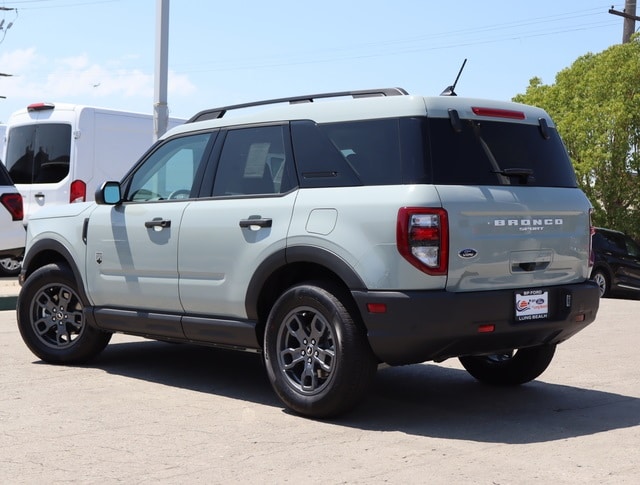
(39, 153)
(497, 153)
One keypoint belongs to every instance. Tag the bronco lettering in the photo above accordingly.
(527, 222)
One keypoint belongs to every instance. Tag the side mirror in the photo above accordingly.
(109, 193)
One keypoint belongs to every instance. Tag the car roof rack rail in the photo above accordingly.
(216, 113)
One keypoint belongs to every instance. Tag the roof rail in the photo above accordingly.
(216, 113)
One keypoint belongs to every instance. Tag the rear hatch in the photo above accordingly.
(38, 158)
(516, 217)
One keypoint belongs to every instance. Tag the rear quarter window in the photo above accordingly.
(368, 152)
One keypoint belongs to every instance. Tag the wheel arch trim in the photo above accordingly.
(53, 246)
(298, 254)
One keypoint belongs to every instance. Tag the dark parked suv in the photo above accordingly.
(617, 262)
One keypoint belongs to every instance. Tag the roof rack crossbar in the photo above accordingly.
(216, 113)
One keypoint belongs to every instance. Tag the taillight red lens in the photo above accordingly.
(422, 237)
(78, 192)
(13, 203)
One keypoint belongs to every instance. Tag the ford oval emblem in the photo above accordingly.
(468, 253)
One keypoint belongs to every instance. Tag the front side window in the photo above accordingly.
(39, 153)
(170, 171)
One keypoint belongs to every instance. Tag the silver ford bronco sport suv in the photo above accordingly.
(330, 235)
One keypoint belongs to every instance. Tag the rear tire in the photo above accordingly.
(510, 369)
(317, 358)
(51, 320)
(9, 267)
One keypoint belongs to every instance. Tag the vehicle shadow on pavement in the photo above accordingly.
(239, 375)
(423, 400)
(434, 401)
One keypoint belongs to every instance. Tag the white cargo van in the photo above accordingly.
(61, 153)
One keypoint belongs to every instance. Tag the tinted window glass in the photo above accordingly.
(482, 150)
(39, 153)
(254, 161)
(4, 176)
(319, 161)
(170, 171)
(351, 153)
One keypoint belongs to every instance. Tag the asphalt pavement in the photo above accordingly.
(154, 412)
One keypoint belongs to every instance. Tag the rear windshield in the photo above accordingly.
(497, 153)
(39, 153)
(420, 150)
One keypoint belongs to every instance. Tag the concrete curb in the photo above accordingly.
(8, 302)
(9, 290)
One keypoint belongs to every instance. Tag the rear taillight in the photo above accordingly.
(78, 192)
(13, 203)
(422, 237)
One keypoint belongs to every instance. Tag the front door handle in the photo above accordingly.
(256, 224)
(157, 223)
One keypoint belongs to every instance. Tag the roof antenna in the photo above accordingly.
(449, 90)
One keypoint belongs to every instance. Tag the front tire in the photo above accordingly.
(510, 368)
(51, 321)
(317, 358)
(602, 280)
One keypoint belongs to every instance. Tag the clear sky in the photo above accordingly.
(102, 52)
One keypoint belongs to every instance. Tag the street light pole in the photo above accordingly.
(160, 107)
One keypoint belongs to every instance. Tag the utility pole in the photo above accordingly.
(160, 107)
(629, 14)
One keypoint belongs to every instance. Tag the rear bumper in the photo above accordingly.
(434, 325)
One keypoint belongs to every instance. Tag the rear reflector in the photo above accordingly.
(486, 328)
(377, 308)
(499, 113)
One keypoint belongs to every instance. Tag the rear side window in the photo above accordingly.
(497, 153)
(39, 153)
(254, 161)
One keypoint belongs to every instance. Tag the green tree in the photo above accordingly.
(595, 104)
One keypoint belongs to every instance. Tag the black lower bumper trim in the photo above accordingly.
(419, 326)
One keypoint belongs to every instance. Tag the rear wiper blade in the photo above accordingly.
(524, 175)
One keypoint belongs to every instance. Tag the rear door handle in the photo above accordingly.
(256, 224)
(157, 222)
